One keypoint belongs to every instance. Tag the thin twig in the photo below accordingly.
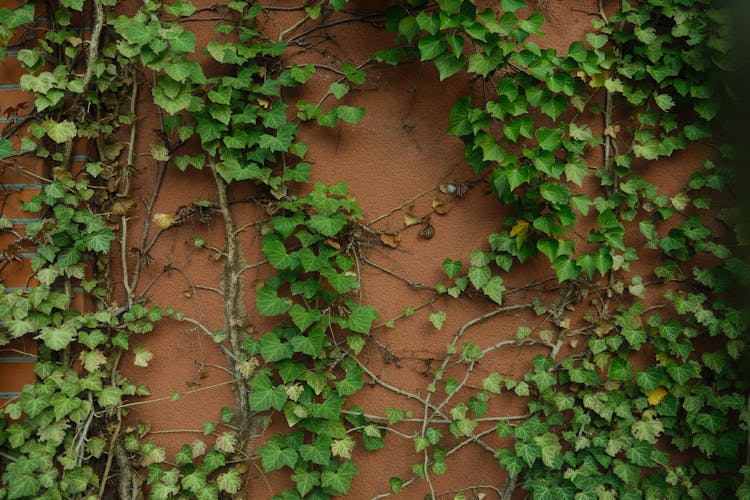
(404, 204)
(186, 393)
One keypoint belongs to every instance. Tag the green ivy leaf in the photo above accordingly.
(448, 65)
(273, 349)
(269, 303)
(620, 369)
(494, 289)
(528, 452)
(437, 319)
(350, 114)
(551, 450)
(565, 268)
(230, 481)
(512, 5)
(327, 226)
(305, 480)
(60, 132)
(6, 148)
(265, 396)
(430, 47)
(361, 318)
(319, 452)
(479, 276)
(338, 482)
(630, 474)
(274, 456)
(58, 338)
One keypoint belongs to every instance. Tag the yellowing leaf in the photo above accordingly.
(247, 367)
(60, 131)
(520, 229)
(159, 152)
(198, 448)
(410, 219)
(656, 396)
(441, 207)
(342, 447)
(122, 205)
(226, 442)
(680, 201)
(164, 220)
(391, 240)
(93, 360)
(142, 356)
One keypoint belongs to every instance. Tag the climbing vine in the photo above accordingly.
(634, 385)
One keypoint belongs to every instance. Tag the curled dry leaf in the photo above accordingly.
(59, 173)
(122, 205)
(447, 188)
(391, 240)
(333, 244)
(410, 219)
(603, 328)
(113, 150)
(441, 207)
(164, 220)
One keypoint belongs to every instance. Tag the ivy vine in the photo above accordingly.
(648, 374)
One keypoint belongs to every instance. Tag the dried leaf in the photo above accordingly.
(122, 205)
(164, 220)
(333, 244)
(565, 323)
(247, 368)
(263, 103)
(602, 328)
(112, 151)
(447, 188)
(187, 293)
(410, 219)
(60, 173)
(612, 131)
(441, 207)
(391, 240)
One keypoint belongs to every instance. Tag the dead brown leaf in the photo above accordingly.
(164, 221)
(441, 207)
(603, 328)
(333, 244)
(410, 219)
(391, 240)
(122, 205)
